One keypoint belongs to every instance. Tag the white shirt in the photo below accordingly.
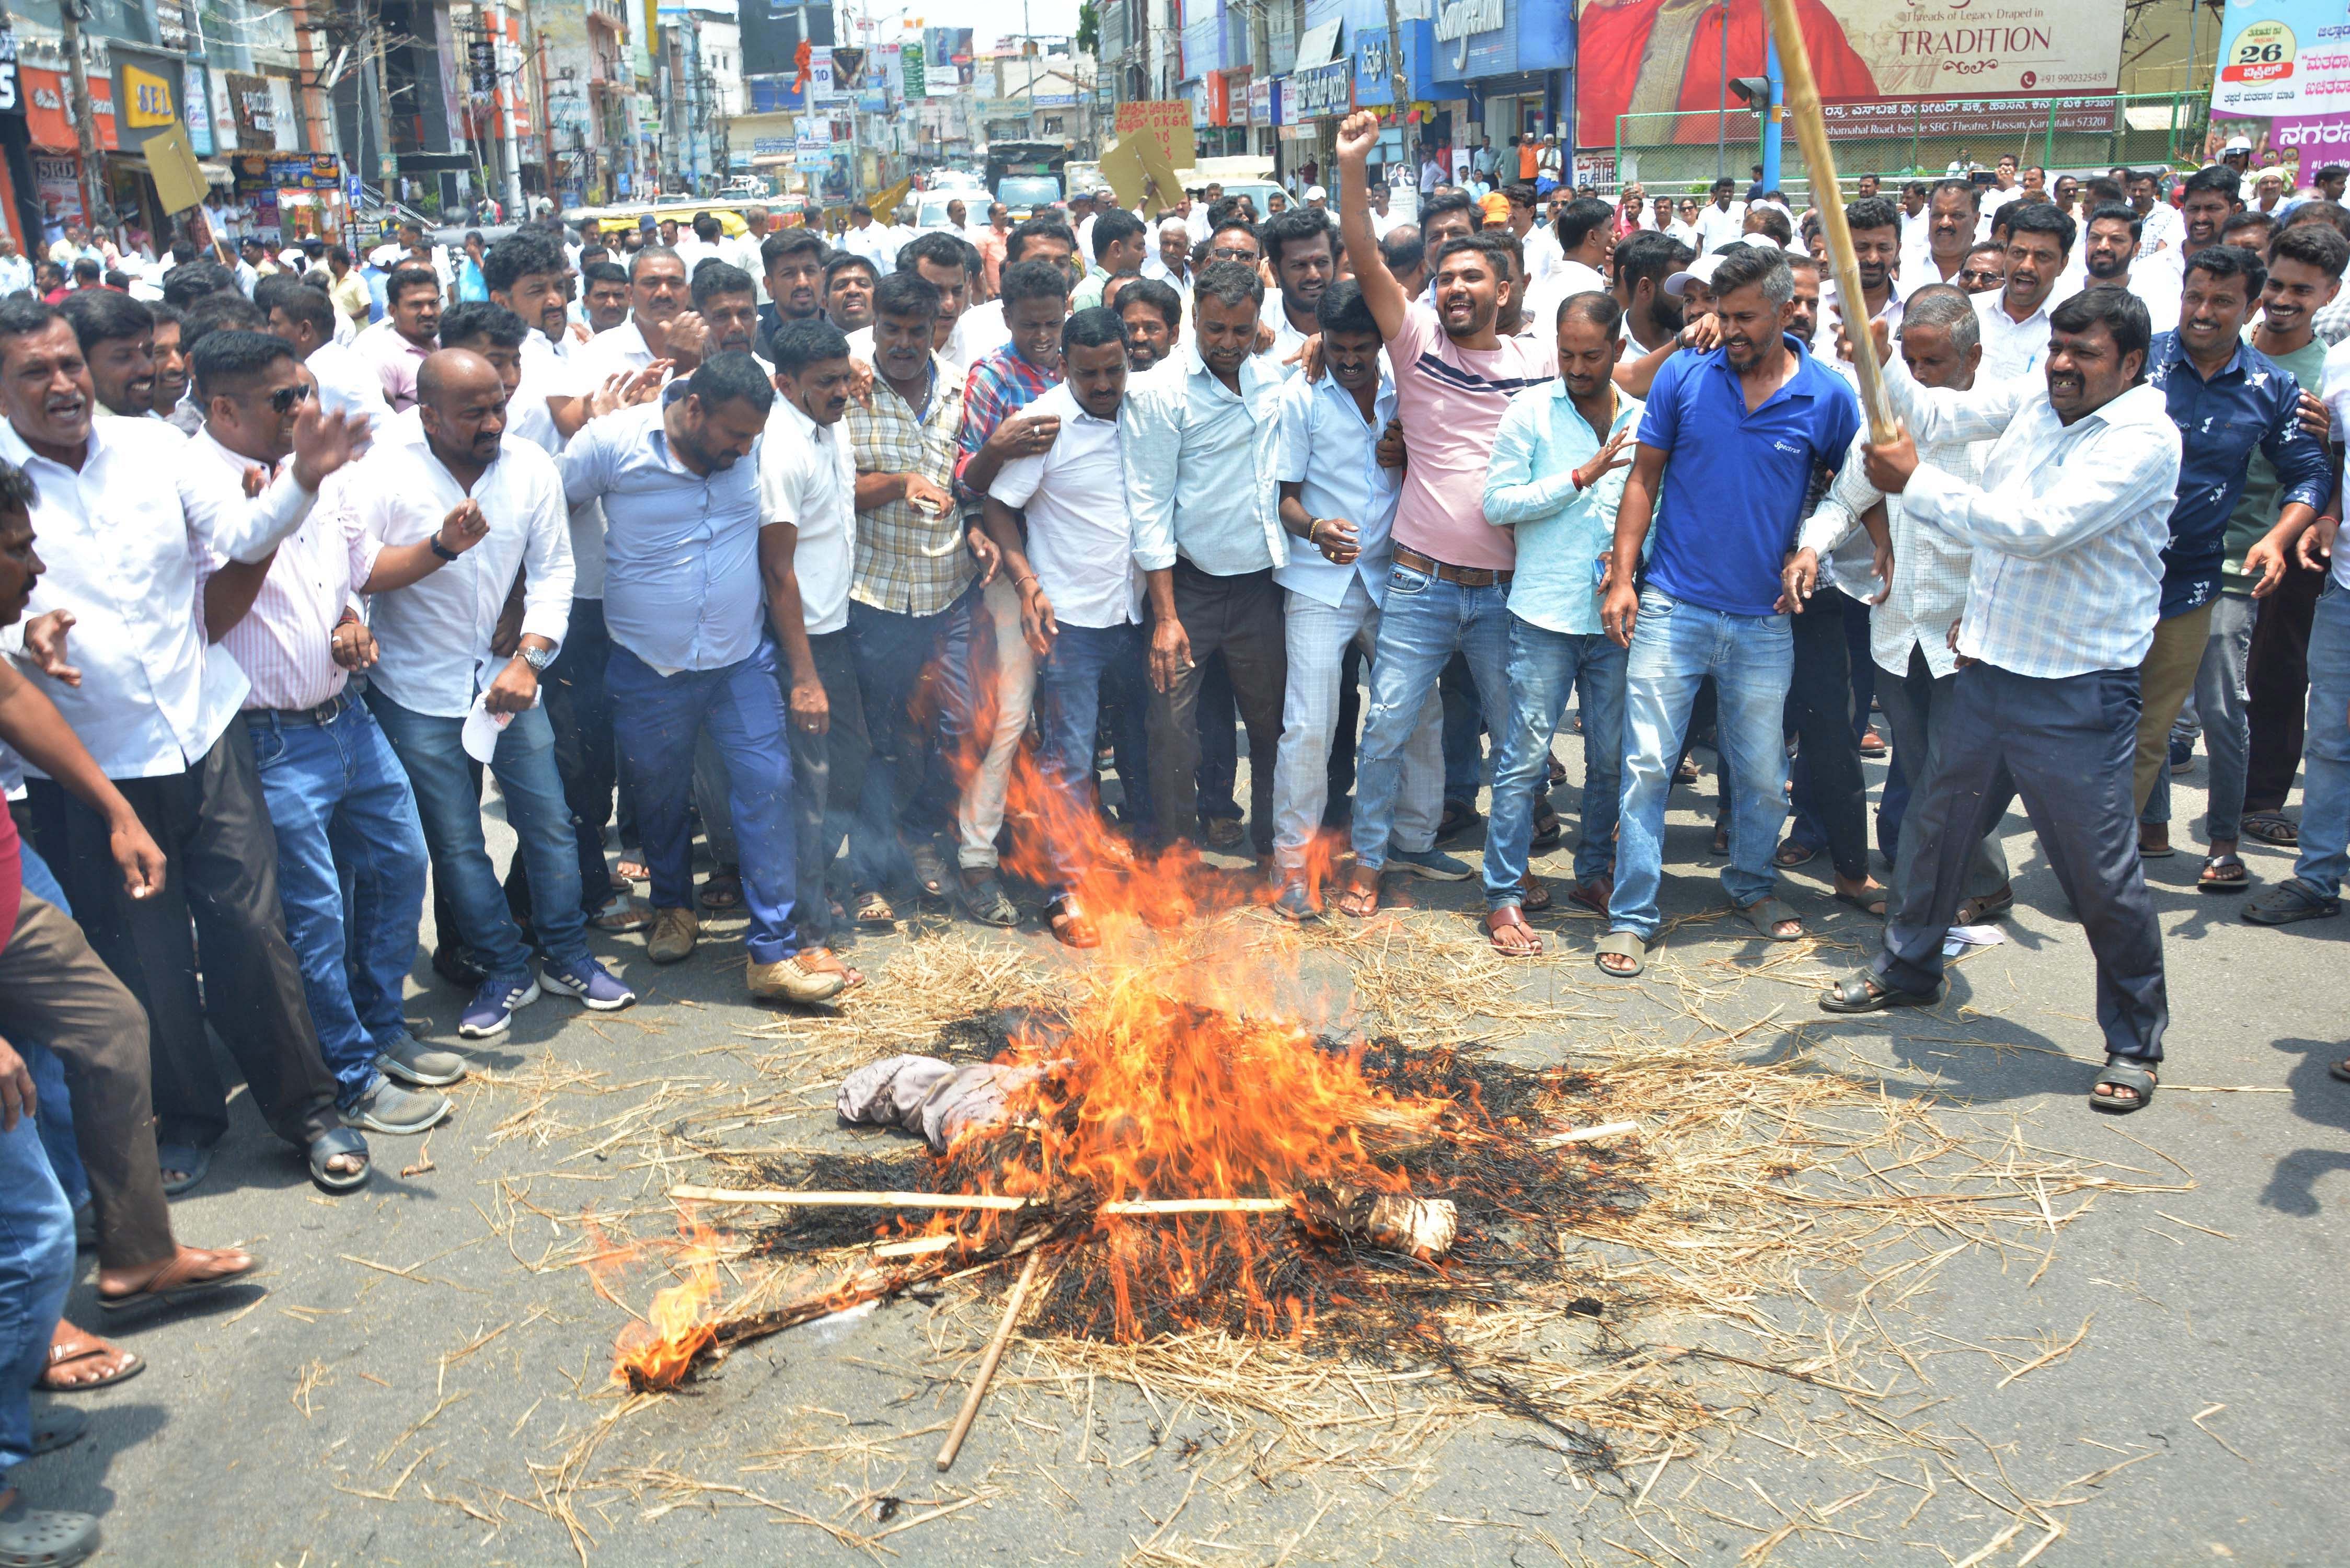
(349, 384)
(2011, 349)
(807, 478)
(1544, 255)
(2158, 286)
(124, 537)
(1716, 226)
(2067, 525)
(2335, 389)
(434, 637)
(622, 349)
(548, 372)
(982, 331)
(1080, 528)
(1286, 339)
(1686, 232)
(876, 243)
(1330, 451)
(1851, 570)
(693, 251)
(15, 275)
(1544, 299)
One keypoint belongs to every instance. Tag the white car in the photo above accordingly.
(930, 208)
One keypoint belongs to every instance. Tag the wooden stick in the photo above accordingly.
(987, 1363)
(1811, 133)
(1586, 1135)
(775, 1197)
(1148, 1205)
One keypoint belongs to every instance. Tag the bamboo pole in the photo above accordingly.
(777, 1198)
(987, 1363)
(1812, 133)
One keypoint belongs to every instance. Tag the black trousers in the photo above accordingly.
(1244, 618)
(580, 712)
(54, 989)
(223, 873)
(2068, 745)
(1914, 704)
(1819, 709)
(2276, 677)
(827, 782)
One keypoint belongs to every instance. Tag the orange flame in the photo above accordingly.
(677, 1326)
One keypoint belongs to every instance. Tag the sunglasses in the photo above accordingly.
(284, 399)
(1231, 253)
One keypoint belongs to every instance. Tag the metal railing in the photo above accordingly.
(1684, 149)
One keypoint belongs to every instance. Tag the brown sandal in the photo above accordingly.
(1532, 894)
(1522, 944)
(1594, 894)
(1360, 897)
(71, 1348)
(874, 911)
(1070, 927)
(178, 1279)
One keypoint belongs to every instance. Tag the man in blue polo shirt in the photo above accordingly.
(1745, 426)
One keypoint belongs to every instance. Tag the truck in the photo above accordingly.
(1025, 176)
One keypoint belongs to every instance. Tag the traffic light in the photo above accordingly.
(1754, 92)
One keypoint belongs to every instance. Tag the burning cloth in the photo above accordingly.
(937, 1099)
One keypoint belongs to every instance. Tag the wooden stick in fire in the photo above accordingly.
(987, 1363)
(1812, 133)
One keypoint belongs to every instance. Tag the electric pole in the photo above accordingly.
(69, 19)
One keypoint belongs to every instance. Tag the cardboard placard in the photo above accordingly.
(1121, 165)
(172, 164)
(1167, 122)
(1159, 166)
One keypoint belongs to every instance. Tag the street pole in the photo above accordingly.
(508, 148)
(1721, 124)
(69, 14)
(1773, 116)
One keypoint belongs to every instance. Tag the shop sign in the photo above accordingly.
(1323, 90)
(1457, 19)
(57, 182)
(199, 108)
(10, 102)
(46, 117)
(254, 115)
(149, 99)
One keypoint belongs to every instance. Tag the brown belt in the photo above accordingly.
(1467, 577)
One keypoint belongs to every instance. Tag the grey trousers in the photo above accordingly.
(1912, 704)
(2068, 747)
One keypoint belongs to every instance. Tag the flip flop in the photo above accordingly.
(1874, 909)
(1532, 894)
(1359, 898)
(173, 1285)
(70, 1346)
(2156, 852)
(1791, 854)
(1763, 914)
(330, 1143)
(192, 1160)
(2273, 828)
(2234, 875)
(2123, 1073)
(1622, 944)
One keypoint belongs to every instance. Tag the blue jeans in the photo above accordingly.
(1751, 660)
(1423, 622)
(1544, 667)
(448, 804)
(341, 806)
(909, 779)
(2325, 754)
(36, 1262)
(1069, 686)
(740, 707)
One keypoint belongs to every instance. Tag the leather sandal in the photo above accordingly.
(81, 1363)
(1532, 894)
(2126, 1074)
(1360, 897)
(1866, 993)
(1522, 944)
(1070, 927)
(177, 1281)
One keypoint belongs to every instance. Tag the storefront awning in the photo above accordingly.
(216, 173)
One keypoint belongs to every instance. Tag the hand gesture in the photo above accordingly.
(811, 712)
(860, 382)
(1390, 448)
(1607, 461)
(1170, 654)
(139, 856)
(324, 442)
(515, 690)
(1026, 435)
(464, 527)
(2314, 550)
(1308, 357)
(1888, 467)
(1702, 334)
(1037, 625)
(1339, 541)
(687, 340)
(1358, 134)
(353, 645)
(1798, 580)
(927, 496)
(646, 384)
(2264, 563)
(44, 639)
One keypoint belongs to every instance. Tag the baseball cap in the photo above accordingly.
(384, 255)
(1702, 269)
(1315, 194)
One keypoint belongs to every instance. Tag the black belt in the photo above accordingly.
(326, 712)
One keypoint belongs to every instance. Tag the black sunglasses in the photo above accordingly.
(283, 400)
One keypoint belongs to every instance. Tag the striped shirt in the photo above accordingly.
(1451, 400)
(908, 560)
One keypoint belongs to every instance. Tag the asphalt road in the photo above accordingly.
(356, 1413)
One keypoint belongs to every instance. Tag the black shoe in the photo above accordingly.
(1457, 820)
(2182, 752)
(451, 965)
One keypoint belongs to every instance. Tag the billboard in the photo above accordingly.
(2284, 83)
(1656, 57)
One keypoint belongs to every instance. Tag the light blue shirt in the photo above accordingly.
(681, 583)
(1200, 464)
(1561, 532)
(1331, 453)
(15, 275)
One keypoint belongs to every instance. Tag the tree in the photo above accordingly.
(1090, 29)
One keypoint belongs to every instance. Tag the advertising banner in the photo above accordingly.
(2284, 83)
(1658, 56)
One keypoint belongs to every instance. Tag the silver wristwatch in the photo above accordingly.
(539, 658)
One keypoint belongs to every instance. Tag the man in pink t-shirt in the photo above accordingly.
(1449, 590)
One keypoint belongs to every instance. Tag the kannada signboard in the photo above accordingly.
(1166, 120)
(2284, 83)
(1656, 57)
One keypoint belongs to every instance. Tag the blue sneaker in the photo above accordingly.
(1433, 864)
(590, 982)
(493, 1007)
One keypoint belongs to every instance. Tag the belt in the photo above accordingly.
(326, 712)
(1467, 577)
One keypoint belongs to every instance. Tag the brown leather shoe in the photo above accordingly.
(675, 930)
(795, 979)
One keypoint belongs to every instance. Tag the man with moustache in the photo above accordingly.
(848, 282)
(116, 335)
(1303, 248)
(660, 326)
(409, 329)
(346, 383)
(2014, 320)
(1152, 314)
(727, 301)
(2111, 260)
(1935, 248)
(604, 299)
(1042, 238)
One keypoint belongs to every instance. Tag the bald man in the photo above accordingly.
(435, 634)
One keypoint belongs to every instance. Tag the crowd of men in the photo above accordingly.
(848, 561)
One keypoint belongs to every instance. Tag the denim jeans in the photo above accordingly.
(1752, 659)
(2326, 750)
(36, 1265)
(586, 758)
(1069, 684)
(2218, 704)
(1423, 622)
(431, 750)
(1465, 767)
(741, 706)
(916, 675)
(1319, 637)
(341, 806)
(1544, 667)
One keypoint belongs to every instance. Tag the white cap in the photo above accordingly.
(384, 255)
(1698, 271)
(1315, 194)
(2239, 144)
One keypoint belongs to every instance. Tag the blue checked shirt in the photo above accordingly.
(2252, 404)
(2067, 523)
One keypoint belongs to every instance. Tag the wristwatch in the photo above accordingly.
(539, 658)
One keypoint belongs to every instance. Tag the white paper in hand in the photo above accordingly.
(482, 728)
